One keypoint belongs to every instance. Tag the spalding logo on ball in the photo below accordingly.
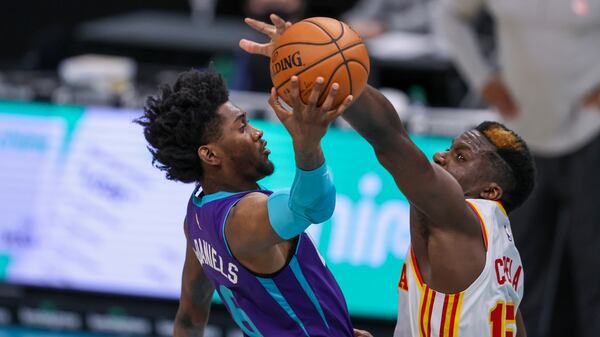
(285, 63)
(322, 47)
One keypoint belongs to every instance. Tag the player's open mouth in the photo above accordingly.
(265, 150)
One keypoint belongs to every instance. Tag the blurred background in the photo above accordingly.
(90, 232)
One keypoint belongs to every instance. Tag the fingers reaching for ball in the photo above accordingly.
(313, 99)
(294, 93)
(252, 47)
(330, 97)
(263, 27)
(280, 24)
(332, 115)
(280, 111)
(310, 111)
(307, 123)
(273, 31)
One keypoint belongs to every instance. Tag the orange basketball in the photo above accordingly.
(322, 47)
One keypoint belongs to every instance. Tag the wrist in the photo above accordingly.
(309, 157)
(317, 171)
(306, 145)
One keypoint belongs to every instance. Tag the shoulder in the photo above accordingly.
(249, 204)
(247, 228)
(248, 212)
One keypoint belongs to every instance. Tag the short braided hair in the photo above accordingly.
(520, 168)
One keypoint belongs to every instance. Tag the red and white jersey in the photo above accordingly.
(487, 308)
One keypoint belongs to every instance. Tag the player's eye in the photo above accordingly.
(460, 157)
(243, 127)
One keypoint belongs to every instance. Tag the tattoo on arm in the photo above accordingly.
(184, 327)
(196, 294)
(193, 311)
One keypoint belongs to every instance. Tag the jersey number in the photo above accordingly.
(502, 314)
(239, 315)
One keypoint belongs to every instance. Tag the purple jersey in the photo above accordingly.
(302, 299)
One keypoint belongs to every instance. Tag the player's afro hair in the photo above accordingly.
(520, 170)
(180, 119)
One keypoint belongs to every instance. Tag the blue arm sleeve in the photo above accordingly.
(310, 200)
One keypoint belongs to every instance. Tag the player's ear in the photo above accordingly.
(209, 154)
(492, 191)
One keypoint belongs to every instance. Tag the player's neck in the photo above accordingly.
(212, 185)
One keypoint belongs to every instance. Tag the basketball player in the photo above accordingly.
(243, 241)
(462, 275)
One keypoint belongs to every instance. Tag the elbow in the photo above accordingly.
(310, 200)
(312, 195)
(324, 207)
(317, 210)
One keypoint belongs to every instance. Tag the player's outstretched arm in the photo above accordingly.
(375, 118)
(257, 222)
(196, 294)
(427, 186)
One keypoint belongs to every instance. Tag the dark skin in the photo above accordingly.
(446, 234)
(196, 294)
(234, 163)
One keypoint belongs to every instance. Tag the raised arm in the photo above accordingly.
(258, 223)
(373, 117)
(194, 301)
(427, 186)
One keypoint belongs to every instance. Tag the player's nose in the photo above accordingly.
(257, 133)
(440, 158)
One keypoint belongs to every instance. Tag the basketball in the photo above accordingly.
(323, 47)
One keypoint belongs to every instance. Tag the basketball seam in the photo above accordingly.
(329, 80)
(323, 29)
(302, 43)
(361, 64)
(335, 70)
(317, 62)
(339, 49)
(311, 43)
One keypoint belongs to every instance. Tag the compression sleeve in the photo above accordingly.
(310, 200)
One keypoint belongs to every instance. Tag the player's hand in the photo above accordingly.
(496, 94)
(362, 333)
(273, 31)
(308, 123)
